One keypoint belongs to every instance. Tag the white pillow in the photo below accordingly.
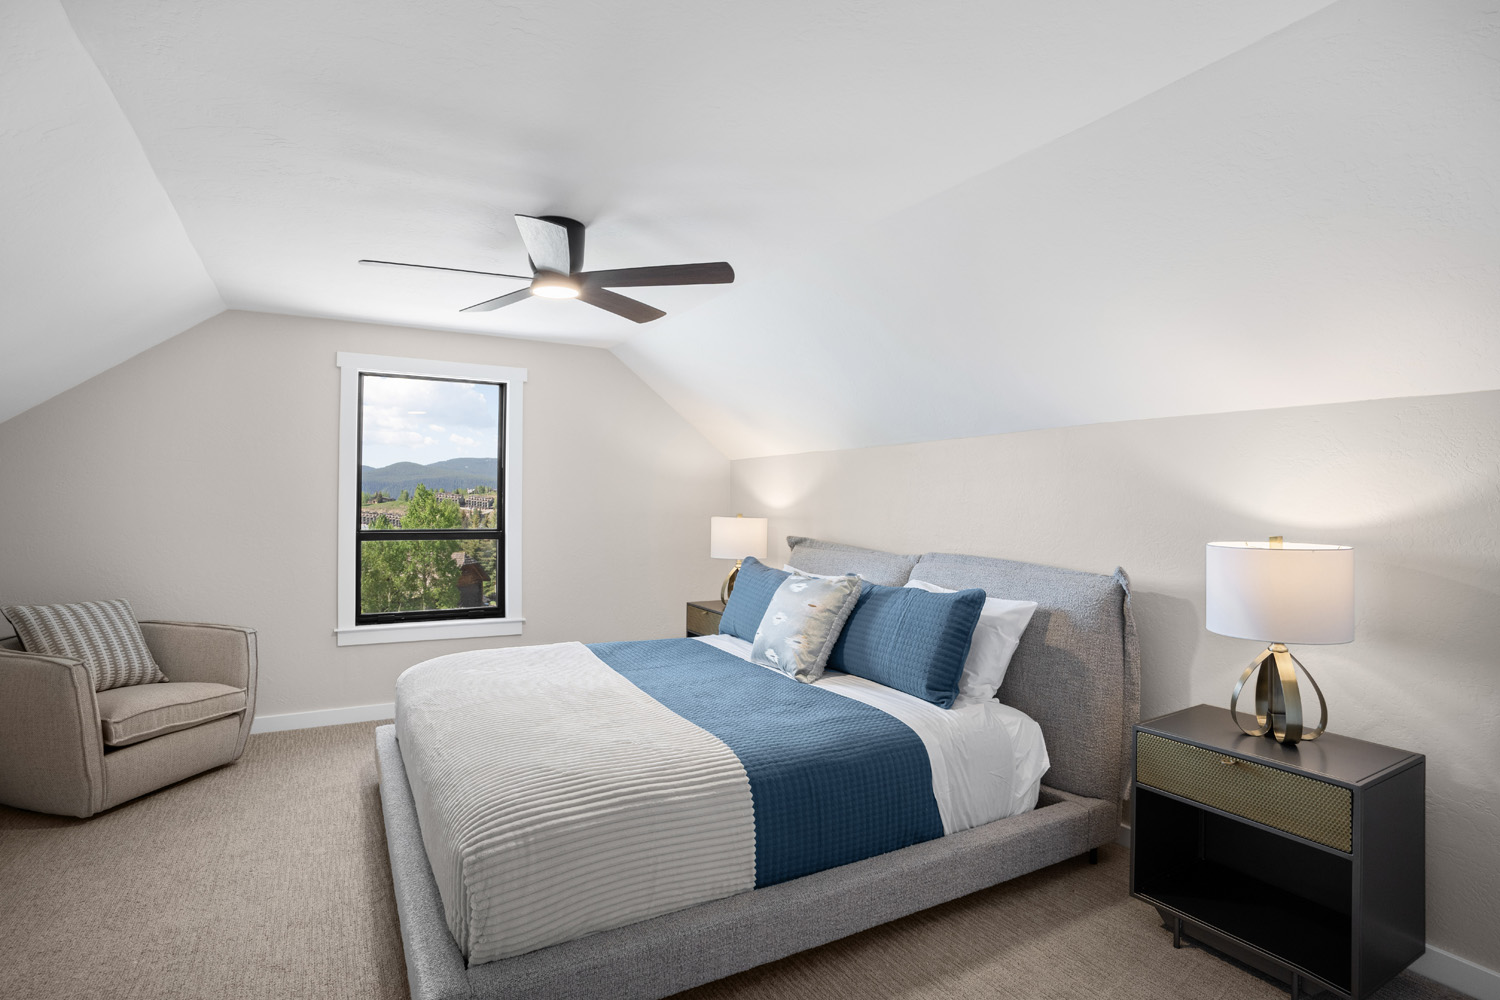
(995, 639)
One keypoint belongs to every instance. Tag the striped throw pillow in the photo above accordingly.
(103, 634)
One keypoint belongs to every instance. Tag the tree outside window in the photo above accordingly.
(430, 538)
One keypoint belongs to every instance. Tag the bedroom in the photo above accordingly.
(1074, 286)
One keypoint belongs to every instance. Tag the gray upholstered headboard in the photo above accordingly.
(1077, 671)
(813, 555)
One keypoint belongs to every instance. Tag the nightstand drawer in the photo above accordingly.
(1304, 807)
(701, 621)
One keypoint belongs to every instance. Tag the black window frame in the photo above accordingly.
(363, 534)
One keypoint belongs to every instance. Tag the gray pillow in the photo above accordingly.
(103, 635)
(802, 623)
(813, 555)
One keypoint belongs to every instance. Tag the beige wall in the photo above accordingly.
(199, 480)
(1413, 484)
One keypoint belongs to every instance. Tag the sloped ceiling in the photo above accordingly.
(94, 263)
(947, 219)
(1315, 219)
(296, 137)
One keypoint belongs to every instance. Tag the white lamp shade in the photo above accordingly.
(1297, 593)
(737, 537)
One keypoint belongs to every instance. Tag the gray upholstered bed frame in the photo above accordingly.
(1077, 673)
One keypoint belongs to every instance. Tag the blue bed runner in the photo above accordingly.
(833, 780)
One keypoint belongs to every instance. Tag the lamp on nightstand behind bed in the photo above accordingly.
(736, 538)
(1280, 592)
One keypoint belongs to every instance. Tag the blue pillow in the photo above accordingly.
(752, 593)
(910, 640)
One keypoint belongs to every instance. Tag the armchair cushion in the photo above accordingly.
(131, 714)
(103, 635)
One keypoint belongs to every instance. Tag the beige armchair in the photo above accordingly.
(68, 750)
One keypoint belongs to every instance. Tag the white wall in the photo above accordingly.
(1413, 484)
(199, 481)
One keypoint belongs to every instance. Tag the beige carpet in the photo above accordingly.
(268, 878)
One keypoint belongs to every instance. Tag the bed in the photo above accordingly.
(1075, 677)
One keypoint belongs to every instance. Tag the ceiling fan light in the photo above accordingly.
(554, 286)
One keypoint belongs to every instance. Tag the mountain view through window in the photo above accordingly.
(430, 499)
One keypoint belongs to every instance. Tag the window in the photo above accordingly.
(429, 500)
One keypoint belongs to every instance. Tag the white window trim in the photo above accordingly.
(352, 366)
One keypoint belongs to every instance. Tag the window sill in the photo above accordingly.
(362, 635)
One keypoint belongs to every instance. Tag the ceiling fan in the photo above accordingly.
(555, 247)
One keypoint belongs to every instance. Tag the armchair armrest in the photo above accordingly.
(51, 749)
(194, 651)
(217, 654)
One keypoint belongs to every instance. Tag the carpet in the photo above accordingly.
(268, 878)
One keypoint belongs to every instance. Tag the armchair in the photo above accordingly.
(68, 750)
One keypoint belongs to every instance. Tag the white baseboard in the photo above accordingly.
(1459, 973)
(1438, 965)
(326, 717)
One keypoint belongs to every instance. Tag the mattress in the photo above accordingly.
(562, 790)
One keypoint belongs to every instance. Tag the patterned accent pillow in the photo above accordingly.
(102, 634)
(801, 624)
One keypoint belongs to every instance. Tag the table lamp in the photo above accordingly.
(735, 538)
(1280, 592)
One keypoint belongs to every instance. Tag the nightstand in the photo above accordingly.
(703, 617)
(1305, 861)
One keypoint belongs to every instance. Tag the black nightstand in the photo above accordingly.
(703, 617)
(1307, 862)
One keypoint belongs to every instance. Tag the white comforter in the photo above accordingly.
(557, 799)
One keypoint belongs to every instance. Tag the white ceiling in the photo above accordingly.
(946, 219)
(295, 137)
(94, 264)
(1313, 220)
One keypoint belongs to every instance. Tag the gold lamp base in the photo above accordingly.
(1278, 702)
(727, 587)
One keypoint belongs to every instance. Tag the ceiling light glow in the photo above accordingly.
(554, 286)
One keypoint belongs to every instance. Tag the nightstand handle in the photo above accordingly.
(1231, 761)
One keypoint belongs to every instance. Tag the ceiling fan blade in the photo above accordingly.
(460, 270)
(620, 305)
(716, 273)
(554, 243)
(510, 298)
